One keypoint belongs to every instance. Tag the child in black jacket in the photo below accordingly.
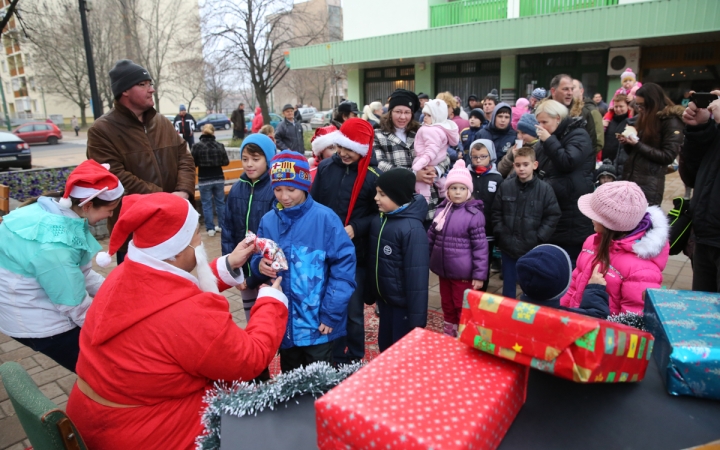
(399, 257)
(525, 213)
(486, 182)
(544, 275)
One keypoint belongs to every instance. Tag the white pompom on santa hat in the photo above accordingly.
(91, 180)
(162, 225)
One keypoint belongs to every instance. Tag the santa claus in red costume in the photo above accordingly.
(156, 337)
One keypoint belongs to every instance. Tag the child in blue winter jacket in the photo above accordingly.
(249, 199)
(399, 257)
(321, 260)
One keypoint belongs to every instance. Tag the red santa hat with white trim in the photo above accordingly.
(356, 135)
(91, 180)
(162, 225)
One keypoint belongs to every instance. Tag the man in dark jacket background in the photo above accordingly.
(238, 120)
(185, 125)
(699, 169)
(289, 134)
(561, 90)
(142, 147)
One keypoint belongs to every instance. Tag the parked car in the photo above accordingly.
(307, 114)
(37, 132)
(321, 119)
(219, 121)
(14, 152)
(274, 120)
(170, 117)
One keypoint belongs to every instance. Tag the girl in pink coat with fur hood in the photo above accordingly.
(432, 141)
(630, 247)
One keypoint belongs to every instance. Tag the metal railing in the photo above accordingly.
(539, 7)
(467, 11)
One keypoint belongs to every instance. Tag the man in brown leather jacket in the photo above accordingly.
(142, 147)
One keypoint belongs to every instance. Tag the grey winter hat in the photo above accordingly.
(125, 75)
(288, 106)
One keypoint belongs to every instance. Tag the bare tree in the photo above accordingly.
(296, 82)
(158, 36)
(9, 12)
(319, 82)
(188, 80)
(56, 34)
(214, 85)
(107, 43)
(253, 34)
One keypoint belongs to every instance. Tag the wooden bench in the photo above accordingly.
(231, 172)
(4, 199)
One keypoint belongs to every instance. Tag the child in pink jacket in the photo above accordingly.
(630, 247)
(432, 141)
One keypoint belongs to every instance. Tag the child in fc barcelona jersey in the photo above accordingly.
(321, 259)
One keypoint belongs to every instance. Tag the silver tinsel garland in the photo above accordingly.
(246, 398)
(629, 318)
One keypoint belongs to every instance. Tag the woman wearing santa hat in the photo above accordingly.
(46, 277)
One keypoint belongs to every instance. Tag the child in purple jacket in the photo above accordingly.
(458, 246)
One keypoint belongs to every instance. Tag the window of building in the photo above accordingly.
(463, 78)
(537, 70)
(682, 68)
(380, 83)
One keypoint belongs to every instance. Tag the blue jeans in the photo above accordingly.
(509, 276)
(355, 339)
(213, 191)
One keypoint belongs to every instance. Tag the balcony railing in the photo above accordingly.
(470, 11)
(467, 11)
(538, 7)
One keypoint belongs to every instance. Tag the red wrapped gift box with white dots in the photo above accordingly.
(426, 391)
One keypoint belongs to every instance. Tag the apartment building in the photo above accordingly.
(25, 97)
(472, 46)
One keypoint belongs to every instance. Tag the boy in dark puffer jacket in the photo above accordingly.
(345, 183)
(525, 213)
(248, 201)
(486, 180)
(399, 257)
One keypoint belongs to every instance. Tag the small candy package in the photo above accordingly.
(269, 250)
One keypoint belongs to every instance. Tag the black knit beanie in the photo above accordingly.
(403, 97)
(398, 184)
(125, 75)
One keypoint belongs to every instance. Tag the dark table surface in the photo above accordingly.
(558, 414)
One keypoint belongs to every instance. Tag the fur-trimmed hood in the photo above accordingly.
(652, 242)
(671, 111)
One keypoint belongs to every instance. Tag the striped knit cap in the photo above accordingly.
(289, 168)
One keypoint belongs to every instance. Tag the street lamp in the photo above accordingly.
(94, 95)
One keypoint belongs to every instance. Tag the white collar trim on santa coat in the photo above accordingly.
(140, 257)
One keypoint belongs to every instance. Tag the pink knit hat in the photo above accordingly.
(618, 206)
(459, 174)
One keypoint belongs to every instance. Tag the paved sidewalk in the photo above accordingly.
(56, 382)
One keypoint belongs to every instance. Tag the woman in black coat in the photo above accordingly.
(659, 140)
(566, 161)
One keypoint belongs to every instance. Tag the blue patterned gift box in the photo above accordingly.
(686, 326)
